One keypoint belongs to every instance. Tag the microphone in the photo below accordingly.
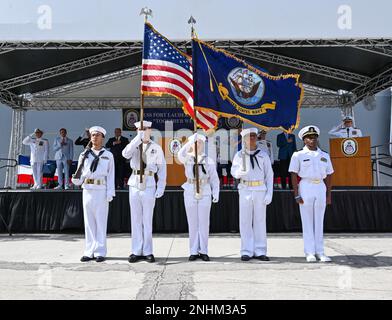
(348, 132)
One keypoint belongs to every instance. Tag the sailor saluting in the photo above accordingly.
(143, 191)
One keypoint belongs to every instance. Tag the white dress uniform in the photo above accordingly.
(345, 132)
(142, 199)
(255, 193)
(198, 210)
(342, 132)
(63, 153)
(39, 150)
(98, 191)
(312, 167)
(266, 146)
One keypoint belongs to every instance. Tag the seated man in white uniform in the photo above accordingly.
(198, 205)
(142, 194)
(313, 193)
(253, 167)
(97, 180)
(345, 130)
(39, 150)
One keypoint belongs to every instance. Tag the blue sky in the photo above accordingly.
(216, 19)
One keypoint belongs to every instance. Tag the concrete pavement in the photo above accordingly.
(46, 266)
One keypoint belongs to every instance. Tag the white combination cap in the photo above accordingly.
(307, 131)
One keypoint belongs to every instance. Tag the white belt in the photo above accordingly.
(97, 182)
(255, 183)
(201, 181)
(314, 181)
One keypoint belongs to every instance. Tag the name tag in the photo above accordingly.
(306, 160)
(323, 159)
(105, 158)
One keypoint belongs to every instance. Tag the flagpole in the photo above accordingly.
(146, 12)
(192, 22)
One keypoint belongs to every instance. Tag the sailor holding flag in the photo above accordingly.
(198, 204)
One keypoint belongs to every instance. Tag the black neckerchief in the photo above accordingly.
(199, 164)
(94, 164)
(253, 157)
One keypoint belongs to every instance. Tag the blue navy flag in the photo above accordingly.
(232, 87)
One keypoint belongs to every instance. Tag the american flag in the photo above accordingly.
(166, 70)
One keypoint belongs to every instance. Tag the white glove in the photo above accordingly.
(109, 198)
(140, 135)
(77, 182)
(241, 173)
(215, 199)
(267, 199)
(158, 194)
(192, 138)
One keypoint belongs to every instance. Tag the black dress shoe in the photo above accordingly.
(150, 258)
(204, 257)
(193, 257)
(262, 258)
(133, 258)
(100, 259)
(85, 259)
(245, 258)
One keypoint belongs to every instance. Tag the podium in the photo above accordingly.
(174, 169)
(351, 160)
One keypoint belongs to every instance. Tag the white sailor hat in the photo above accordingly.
(97, 128)
(197, 136)
(146, 124)
(38, 130)
(246, 131)
(308, 130)
(348, 118)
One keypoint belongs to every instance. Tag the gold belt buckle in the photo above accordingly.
(252, 183)
(316, 181)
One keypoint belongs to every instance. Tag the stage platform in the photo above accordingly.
(352, 210)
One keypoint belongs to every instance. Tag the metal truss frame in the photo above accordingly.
(90, 83)
(298, 64)
(66, 68)
(381, 46)
(15, 148)
(376, 84)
